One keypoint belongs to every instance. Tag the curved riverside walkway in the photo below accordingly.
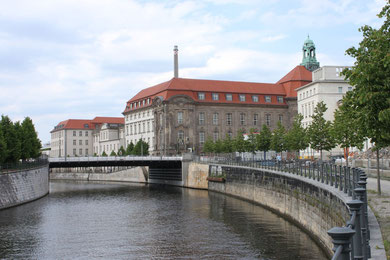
(381, 207)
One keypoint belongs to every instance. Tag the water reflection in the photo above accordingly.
(126, 221)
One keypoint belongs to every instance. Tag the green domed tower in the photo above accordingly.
(309, 55)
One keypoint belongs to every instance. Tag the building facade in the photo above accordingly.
(328, 86)
(183, 113)
(77, 137)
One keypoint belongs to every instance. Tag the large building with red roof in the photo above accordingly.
(86, 137)
(180, 114)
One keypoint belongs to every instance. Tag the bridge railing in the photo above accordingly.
(350, 241)
(114, 158)
(22, 165)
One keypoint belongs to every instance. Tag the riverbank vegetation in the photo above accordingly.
(18, 140)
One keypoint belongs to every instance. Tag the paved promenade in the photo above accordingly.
(381, 207)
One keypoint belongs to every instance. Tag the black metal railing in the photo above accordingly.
(23, 165)
(350, 241)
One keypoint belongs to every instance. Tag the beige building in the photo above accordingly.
(328, 86)
(76, 137)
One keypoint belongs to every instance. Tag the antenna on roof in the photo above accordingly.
(176, 62)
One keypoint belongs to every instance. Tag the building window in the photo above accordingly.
(230, 134)
(215, 119)
(255, 98)
(229, 119)
(267, 99)
(143, 127)
(310, 92)
(74, 151)
(201, 138)
(215, 96)
(180, 136)
(81, 133)
(74, 142)
(229, 97)
(215, 136)
(139, 128)
(268, 119)
(80, 142)
(255, 119)
(143, 102)
(86, 142)
(80, 151)
(242, 97)
(242, 119)
(300, 96)
(280, 99)
(349, 88)
(340, 89)
(86, 151)
(201, 95)
(180, 117)
(201, 118)
(281, 118)
(148, 126)
(74, 133)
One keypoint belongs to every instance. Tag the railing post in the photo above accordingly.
(345, 179)
(335, 177)
(355, 207)
(322, 172)
(341, 239)
(349, 181)
(364, 226)
(341, 178)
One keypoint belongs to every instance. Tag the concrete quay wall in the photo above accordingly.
(136, 174)
(23, 186)
(313, 206)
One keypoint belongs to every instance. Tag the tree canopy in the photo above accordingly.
(319, 131)
(296, 138)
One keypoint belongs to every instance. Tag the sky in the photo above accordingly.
(62, 59)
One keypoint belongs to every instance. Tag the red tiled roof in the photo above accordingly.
(299, 73)
(190, 87)
(81, 123)
(296, 78)
(109, 120)
(74, 124)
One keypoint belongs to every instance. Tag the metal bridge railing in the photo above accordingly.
(350, 241)
(25, 165)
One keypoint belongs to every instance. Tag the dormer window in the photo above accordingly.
(215, 96)
(280, 99)
(86, 126)
(242, 97)
(267, 99)
(255, 98)
(229, 97)
(201, 95)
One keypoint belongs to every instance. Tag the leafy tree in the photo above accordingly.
(239, 142)
(208, 146)
(251, 145)
(319, 131)
(141, 148)
(346, 126)
(130, 148)
(103, 154)
(3, 147)
(263, 140)
(113, 153)
(296, 137)
(218, 146)
(11, 137)
(278, 143)
(371, 77)
(227, 144)
(30, 142)
(121, 151)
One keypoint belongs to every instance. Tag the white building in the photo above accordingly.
(139, 124)
(76, 137)
(328, 86)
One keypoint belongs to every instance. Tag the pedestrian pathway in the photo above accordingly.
(381, 207)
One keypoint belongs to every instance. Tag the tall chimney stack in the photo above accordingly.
(176, 61)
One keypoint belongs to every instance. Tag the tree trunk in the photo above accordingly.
(321, 155)
(378, 172)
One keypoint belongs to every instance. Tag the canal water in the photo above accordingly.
(81, 220)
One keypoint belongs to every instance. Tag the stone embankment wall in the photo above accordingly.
(314, 206)
(136, 174)
(20, 187)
